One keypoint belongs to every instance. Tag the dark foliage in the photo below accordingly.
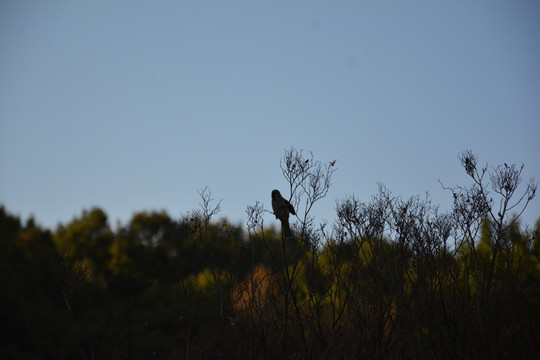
(391, 278)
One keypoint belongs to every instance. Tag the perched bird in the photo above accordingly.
(332, 163)
(282, 208)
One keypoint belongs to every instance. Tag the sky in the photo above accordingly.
(136, 106)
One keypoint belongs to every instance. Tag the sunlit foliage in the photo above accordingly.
(390, 278)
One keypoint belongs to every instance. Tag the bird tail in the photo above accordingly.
(286, 229)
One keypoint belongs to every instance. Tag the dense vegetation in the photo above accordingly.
(391, 278)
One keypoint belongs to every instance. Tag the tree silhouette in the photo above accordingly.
(391, 277)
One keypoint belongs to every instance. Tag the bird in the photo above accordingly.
(332, 163)
(282, 208)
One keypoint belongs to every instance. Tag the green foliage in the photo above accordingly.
(392, 278)
(166, 287)
(87, 240)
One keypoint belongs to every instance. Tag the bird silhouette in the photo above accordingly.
(282, 208)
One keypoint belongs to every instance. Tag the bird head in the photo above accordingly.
(275, 195)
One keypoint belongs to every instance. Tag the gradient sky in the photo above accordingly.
(135, 105)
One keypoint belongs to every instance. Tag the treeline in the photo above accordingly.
(391, 278)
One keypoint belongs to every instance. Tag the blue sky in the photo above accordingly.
(134, 106)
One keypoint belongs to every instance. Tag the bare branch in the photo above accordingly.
(208, 211)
